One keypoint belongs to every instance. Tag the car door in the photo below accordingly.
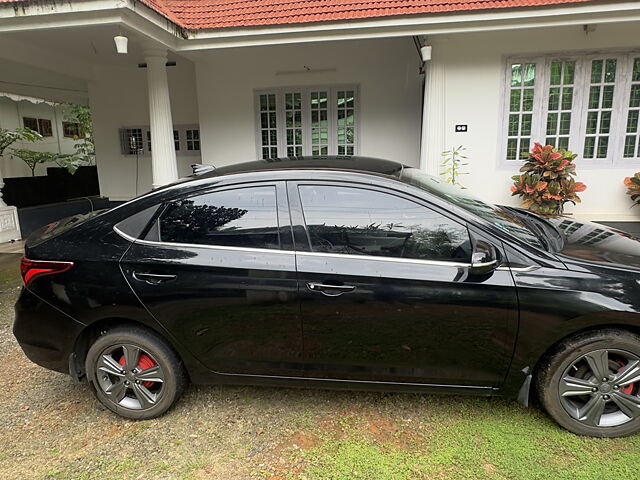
(386, 291)
(217, 269)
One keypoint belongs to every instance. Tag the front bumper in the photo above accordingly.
(45, 334)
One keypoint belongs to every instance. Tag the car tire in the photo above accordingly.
(586, 383)
(134, 372)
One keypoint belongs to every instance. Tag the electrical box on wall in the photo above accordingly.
(461, 128)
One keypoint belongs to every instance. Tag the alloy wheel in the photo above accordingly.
(601, 388)
(130, 377)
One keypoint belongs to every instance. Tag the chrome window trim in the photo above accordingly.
(441, 263)
(530, 268)
(290, 252)
(198, 245)
(124, 235)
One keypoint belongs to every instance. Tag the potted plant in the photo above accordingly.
(633, 187)
(546, 182)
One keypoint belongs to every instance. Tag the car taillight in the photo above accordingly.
(32, 269)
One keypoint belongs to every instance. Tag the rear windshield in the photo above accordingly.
(60, 226)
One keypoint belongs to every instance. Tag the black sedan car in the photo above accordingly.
(341, 273)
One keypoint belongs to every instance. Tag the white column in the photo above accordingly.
(9, 223)
(163, 153)
(433, 118)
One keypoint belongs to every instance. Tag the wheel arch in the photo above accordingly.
(539, 337)
(89, 335)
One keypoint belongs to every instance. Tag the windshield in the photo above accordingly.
(498, 216)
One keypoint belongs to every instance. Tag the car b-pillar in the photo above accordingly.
(163, 155)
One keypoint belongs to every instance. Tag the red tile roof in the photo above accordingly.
(210, 14)
(205, 14)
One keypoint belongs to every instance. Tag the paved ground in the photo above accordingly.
(51, 427)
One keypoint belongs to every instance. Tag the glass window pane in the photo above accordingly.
(514, 125)
(244, 217)
(379, 224)
(529, 74)
(567, 98)
(527, 100)
(607, 96)
(634, 100)
(629, 146)
(556, 73)
(554, 98)
(563, 143)
(596, 71)
(516, 75)
(512, 149)
(592, 122)
(603, 145)
(552, 123)
(635, 77)
(569, 69)
(632, 121)
(565, 123)
(514, 101)
(594, 97)
(610, 70)
(589, 147)
(605, 122)
(524, 148)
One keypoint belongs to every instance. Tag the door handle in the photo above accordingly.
(153, 278)
(330, 290)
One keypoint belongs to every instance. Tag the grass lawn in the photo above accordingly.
(52, 428)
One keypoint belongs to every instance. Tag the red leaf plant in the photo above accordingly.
(633, 187)
(546, 182)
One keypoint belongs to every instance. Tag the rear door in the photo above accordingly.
(218, 270)
(386, 293)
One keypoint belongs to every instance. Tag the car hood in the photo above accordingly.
(592, 243)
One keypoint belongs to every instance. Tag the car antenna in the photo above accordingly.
(199, 169)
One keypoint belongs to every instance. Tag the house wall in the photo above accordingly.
(386, 72)
(11, 114)
(118, 98)
(472, 67)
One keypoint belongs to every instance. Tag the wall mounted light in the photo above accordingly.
(425, 52)
(122, 44)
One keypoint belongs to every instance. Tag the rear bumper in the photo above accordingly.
(45, 334)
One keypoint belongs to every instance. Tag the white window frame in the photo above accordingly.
(581, 87)
(332, 91)
(182, 139)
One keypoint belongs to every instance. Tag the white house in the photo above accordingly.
(227, 81)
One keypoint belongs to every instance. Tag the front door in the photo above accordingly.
(217, 269)
(386, 293)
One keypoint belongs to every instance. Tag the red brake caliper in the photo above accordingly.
(144, 362)
(628, 389)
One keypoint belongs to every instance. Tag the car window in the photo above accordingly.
(358, 221)
(243, 217)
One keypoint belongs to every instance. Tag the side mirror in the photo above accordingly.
(484, 258)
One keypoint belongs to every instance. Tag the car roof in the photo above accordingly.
(341, 163)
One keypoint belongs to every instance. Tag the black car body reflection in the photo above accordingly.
(339, 272)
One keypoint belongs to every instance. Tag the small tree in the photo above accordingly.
(633, 187)
(547, 183)
(452, 161)
(33, 159)
(85, 151)
(8, 137)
